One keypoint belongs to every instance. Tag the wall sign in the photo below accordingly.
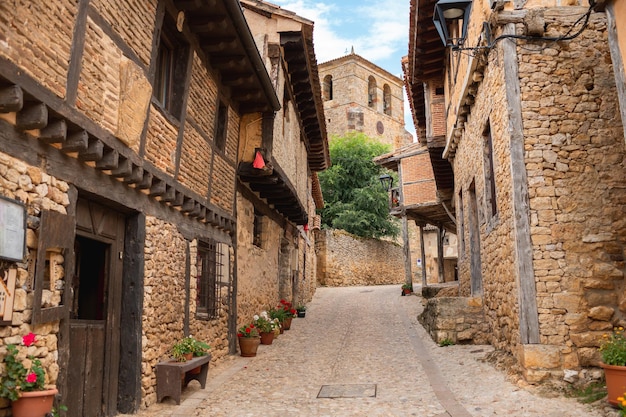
(12, 229)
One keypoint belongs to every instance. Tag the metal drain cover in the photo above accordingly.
(347, 391)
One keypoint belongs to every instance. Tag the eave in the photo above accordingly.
(303, 74)
(273, 185)
(225, 38)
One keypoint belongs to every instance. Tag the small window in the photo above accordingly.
(327, 87)
(222, 126)
(170, 71)
(387, 99)
(439, 91)
(371, 92)
(257, 230)
(210, 276)
(488, 166)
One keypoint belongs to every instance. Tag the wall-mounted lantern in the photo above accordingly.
(448, 12)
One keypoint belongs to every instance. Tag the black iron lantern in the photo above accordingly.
(386, 181)
(448, 12)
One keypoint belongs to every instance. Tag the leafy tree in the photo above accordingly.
(353, 197)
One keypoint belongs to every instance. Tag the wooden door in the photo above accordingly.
(95, 311)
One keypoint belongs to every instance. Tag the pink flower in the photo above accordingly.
(32, 377)
(28, 339)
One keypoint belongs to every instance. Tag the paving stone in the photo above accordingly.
(360, 337)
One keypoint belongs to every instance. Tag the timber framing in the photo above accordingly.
(64, 134)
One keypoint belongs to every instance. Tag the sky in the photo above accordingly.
(378, 30)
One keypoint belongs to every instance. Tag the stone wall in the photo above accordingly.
(39, 191)
(460, 320)
(573, 154)
(347, 260)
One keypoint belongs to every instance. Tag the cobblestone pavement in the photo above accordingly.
(365, 346)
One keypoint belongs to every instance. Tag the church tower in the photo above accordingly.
(360, 96)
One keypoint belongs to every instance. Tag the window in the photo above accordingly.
(170, 71)
(257, 229)
(222, 126)
(211, 276)
(371, 92)
(387, 99)
(490, 180)
(327, 87)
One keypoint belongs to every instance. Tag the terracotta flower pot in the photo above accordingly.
(34, 403)
(287, 323)
(615, 382)
(267, 338)
(249, 345)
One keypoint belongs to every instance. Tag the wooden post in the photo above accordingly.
(408, 273)
(440, 270)
(528, 314)
(423, 254)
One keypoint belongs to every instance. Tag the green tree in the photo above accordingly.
(354, 200)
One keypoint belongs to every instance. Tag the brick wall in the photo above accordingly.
(418, 180)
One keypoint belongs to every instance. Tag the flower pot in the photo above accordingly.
(615, 382)
(301, 313)
(34, 403)
(287, 323)
(249, 345)
(267, 338)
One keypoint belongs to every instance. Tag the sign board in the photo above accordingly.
(12, 229)
(7, 294)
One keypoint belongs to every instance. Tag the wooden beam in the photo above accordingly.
(32, 116)
(76, 142)
(109, 160)
(55, 132)
(94, 151)
(11, 99)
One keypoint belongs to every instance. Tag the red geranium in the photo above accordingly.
(28, 339)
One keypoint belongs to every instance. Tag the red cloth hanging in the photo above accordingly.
(258, 163)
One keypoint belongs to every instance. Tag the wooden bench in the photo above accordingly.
(173, 376)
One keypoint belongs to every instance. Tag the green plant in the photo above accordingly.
(264, 323)
(446, 342)
(301, 307)
(56, 412)
(248, 330)
(621, 403)
(613, 348)
(587, 394)
(189, 345)
(278, 314)
(407, 286)
(22, 373)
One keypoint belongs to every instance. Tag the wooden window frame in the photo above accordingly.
(171, 69)
(210, 276)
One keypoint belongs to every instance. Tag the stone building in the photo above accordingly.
(534, 101)
(360, 96)
(123, 127)
(417, 201)
(276, 204)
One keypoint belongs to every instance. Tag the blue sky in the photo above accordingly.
(377, 29)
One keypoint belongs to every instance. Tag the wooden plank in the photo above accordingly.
(423, 257)
(146, 181)
(440, 255)
(11, 99)
(76, 372)
(525, 276)
(618, 63)
(157, 188)
(124, 168)
(32, 116)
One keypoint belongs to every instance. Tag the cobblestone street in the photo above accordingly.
(363, 347)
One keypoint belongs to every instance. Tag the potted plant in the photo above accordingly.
(289, 313)
(613, 350)
(301, 310)
(23, 381)
(279, 315)
(249, 340)
(266, 327)
(407, 288)
(189, 347)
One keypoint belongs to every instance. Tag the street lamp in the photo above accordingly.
(448, 12)
(386, 181)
